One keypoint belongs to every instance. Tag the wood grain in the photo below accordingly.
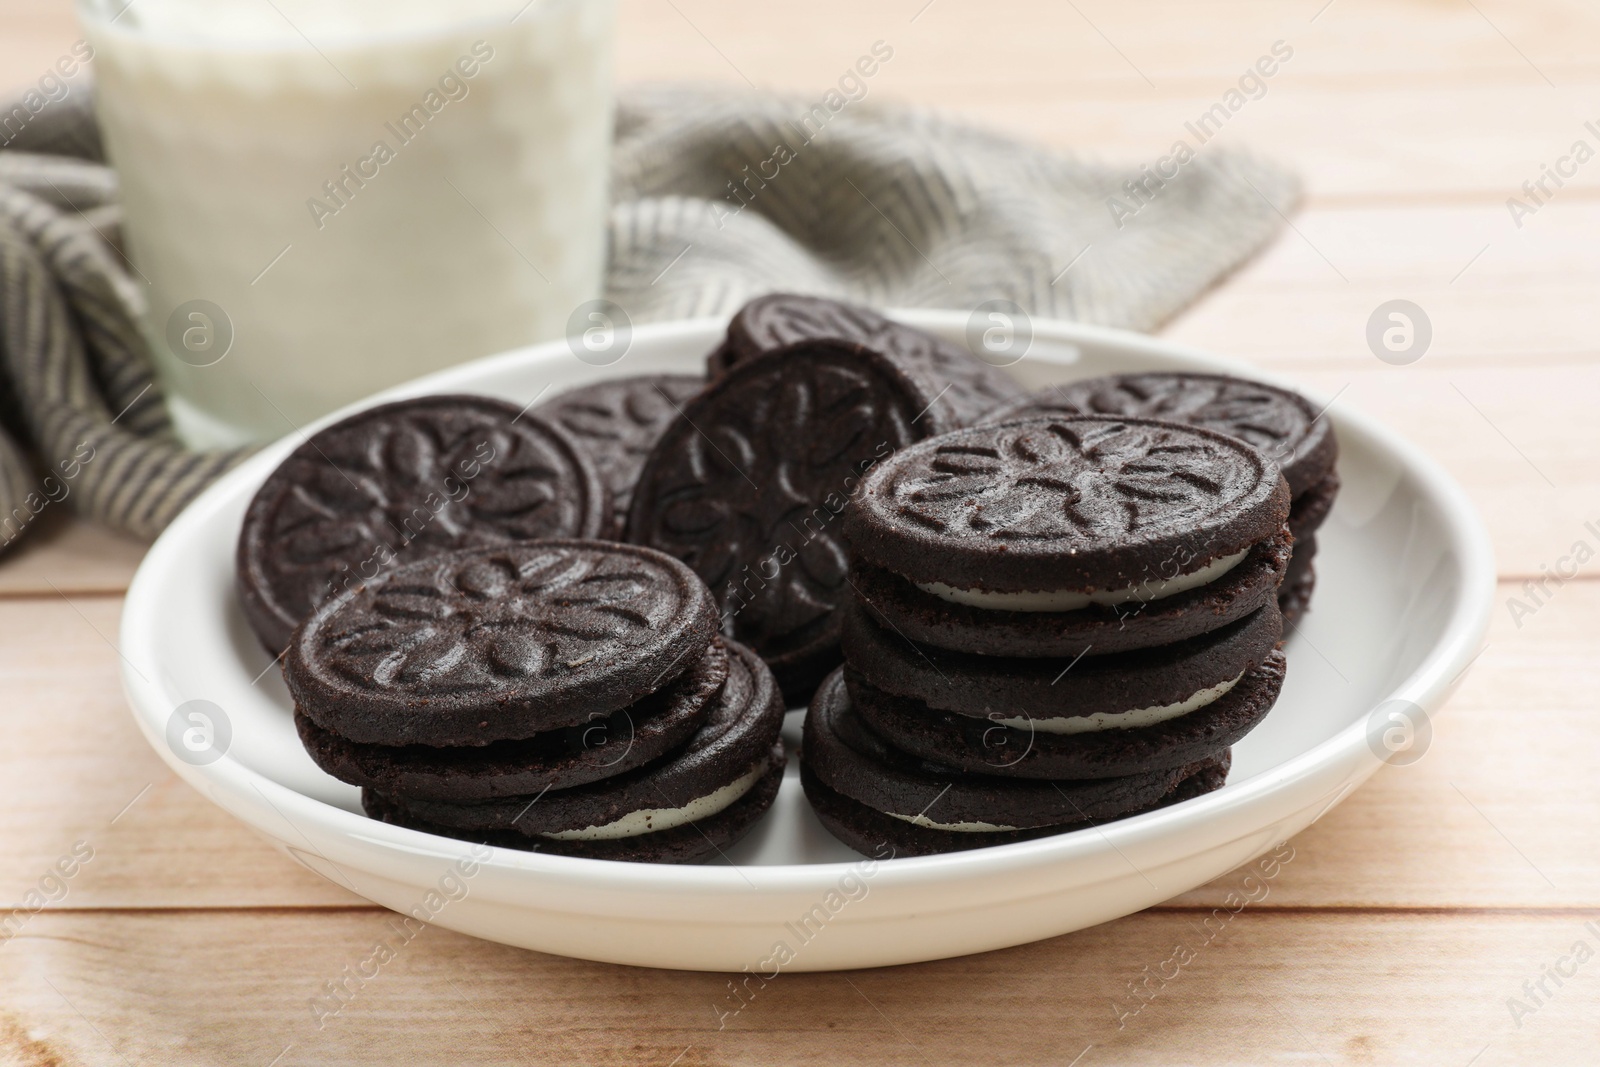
(1409, 915)
(1281, 987)
(60, 554)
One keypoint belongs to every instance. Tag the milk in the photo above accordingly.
(326, 197)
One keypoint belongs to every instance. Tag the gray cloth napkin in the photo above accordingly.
(719, 196)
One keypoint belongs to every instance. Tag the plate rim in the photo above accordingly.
(1427, 685)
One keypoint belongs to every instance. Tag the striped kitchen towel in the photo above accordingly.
(719, 196)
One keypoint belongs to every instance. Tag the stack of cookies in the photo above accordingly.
(1056, 622)
(1282, 424)
(557, 696)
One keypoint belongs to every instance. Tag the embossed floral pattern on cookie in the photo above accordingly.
(402, 481)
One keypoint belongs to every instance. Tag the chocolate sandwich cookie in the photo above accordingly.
(747, 489)
(399, 482)
(1299, 582)
(1075, 694)
(603, 747)
(1069, 536)
(868, 831)
(868, 793)
(1076, 747)
(1282, 424)
(1308, 510)
(779, 320)
(499, 644)
(694, 843)
(618, 422)
(1294, 599)
(686, 807)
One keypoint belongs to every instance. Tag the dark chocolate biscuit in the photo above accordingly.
(1099, 630)
(603, 747)
(868, 794)
(1300, 564)
(748, 488)
(1299, 581)
(1294, 599)
(1282, 424)
(499, 644)
(696, 842)
(1310, 509)
(618, 422)
(981, 686)
(779, 320)
(738, 739)
(1070, 505)
(1306, 516)
(875, 834)
(1074, 503)
(399, 482)
(850, 758)
(988, 746)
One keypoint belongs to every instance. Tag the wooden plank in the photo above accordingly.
(1278, 987)
(1362, 109)
(1027, 47)
(37, 33)
(77, 769)
(1309, 296)
(1379, 145)
(68, 555)
(1483, 821)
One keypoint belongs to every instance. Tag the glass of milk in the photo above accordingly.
(327, 197)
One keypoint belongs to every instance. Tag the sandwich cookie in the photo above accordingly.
(499, 644)
(603, 747)
(618, 421)
(1294, 597)
(1066, 536)
(686, 807)
(1096, 717)
(868, 793)
(1310, 509)
(1076, 747)
(1281, 423)
(1306, 514)
(399, 482)
(748, 489)
(779, 320)
(1048, 689)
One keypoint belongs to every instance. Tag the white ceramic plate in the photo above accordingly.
(1405, 583)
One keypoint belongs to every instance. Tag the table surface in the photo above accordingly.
(1410, 916)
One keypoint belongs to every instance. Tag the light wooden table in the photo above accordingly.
(1407, 917)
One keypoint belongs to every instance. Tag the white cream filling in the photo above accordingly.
(958, 827)
(1072, 600)
(1123, 720)
(651, 820)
